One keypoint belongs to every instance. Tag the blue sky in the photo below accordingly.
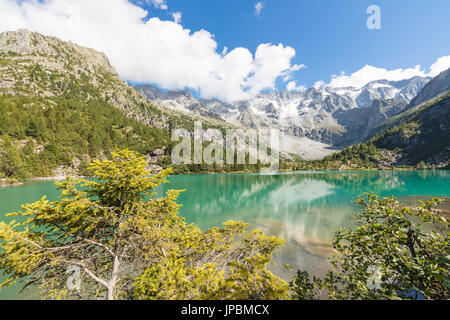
(290, 44)
(328, 36)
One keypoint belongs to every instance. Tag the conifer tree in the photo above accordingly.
(126, 243)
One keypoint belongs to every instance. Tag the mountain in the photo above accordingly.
(359, 123)
(36, 65)
(420, 136)
(62, 105)
(321, 114)
(434, 88)
(179, 100)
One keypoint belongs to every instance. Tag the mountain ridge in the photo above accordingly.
(63, 105)
(315, 113)
(437, 86)
(420, 136)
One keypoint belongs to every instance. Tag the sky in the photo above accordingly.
(235, 49)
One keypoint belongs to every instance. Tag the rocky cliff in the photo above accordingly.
(62, 105)
(338, 116)
(421, 135)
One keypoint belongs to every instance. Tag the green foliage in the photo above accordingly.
(69, 127)
(305, 289)
(130, 244)
(420, 135)
(360, 156)
(11, 164)
(66, 128)
(249, 279)
(421, 165)
(238, 271)
(410, 248)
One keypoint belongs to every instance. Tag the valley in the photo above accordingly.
(63, 106)
(236, 156)
(114, 188)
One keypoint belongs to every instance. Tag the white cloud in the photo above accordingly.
(441, 64)
(160, 4)
(153, 51)
(369, 73)
(258, 7)
(177, 17)
(292, 86)
(319, 84)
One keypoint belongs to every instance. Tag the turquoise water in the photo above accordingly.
(304, 208)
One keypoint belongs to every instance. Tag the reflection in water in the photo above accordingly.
(413, 201)
(307, 190)
(303, 208)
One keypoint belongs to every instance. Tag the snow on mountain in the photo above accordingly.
(179, 100)
(315, 113)
(437, 86)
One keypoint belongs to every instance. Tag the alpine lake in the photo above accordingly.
(305, 208)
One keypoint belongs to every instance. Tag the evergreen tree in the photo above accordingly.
(129, 244)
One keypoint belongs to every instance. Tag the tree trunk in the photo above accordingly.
(114, 277)
(111, 293)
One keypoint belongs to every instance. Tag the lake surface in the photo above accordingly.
(304, 208)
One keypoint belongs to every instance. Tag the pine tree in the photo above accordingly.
(129, 244)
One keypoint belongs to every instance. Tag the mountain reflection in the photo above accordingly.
(304, 208)
(210, 199)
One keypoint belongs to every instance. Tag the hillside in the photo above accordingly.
(336, 116)
(418, 138)
(421, 136)
(62, 105)
(437, 86)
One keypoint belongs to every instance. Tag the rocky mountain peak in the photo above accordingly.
(32, 64)
(26, 43)
(318, 113)
(437, 86)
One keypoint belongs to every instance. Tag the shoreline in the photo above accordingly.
(312, 171)
(3, 184)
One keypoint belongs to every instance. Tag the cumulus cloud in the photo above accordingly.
(176, 17)
(442, 64)
(151, 50)
(319, 84)
(292, 86)
(160, 4)
(369, 73)
(258, 8)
